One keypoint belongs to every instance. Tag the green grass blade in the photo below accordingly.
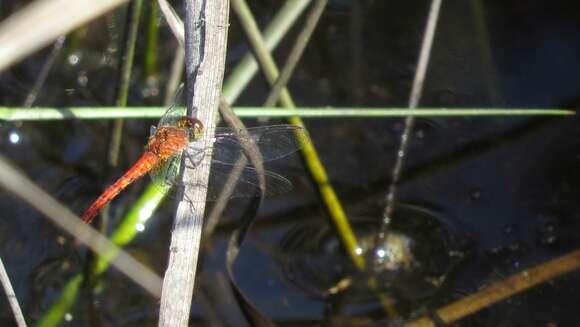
(91, 113)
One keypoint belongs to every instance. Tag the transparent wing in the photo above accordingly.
(247, 186)
(274, 142)
(166, 173)
(175, 111)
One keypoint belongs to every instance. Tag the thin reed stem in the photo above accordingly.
(415, 96)
(90, 113)
(124, 78)
(11, 296)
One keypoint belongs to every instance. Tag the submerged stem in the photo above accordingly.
(416, 92)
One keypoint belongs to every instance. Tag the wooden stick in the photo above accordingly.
(206, 26)
(502, 290)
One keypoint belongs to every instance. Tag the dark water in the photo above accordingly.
(481, 198)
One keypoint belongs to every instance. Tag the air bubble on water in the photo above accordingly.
(68, 316)
(83, 79)
(386, 221)
(548, 235)
(14, 137)
(394, 252)
(140, 227)
(73, 59)
(549, 240)
(475, 194)
(515, 247)
(509, 229)
(419, 133)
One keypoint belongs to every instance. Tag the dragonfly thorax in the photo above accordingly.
(168, 142)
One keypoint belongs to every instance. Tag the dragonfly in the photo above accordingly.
(178, 135)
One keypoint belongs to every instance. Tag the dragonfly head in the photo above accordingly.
(194, 125)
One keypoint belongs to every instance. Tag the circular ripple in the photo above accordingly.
(412, 263)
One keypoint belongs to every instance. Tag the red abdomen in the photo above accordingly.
(142, 166)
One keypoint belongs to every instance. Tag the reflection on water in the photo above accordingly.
(412, 264)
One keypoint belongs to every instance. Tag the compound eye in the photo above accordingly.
(197, 125)
(197, 128)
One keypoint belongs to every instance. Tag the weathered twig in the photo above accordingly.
(11, 296)
(502, 290)
(206, 26)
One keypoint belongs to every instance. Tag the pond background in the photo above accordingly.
(500, 191)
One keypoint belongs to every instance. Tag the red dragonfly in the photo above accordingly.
(176, 135)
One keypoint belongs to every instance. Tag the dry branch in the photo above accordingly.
(205, 50)
(502, 290)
